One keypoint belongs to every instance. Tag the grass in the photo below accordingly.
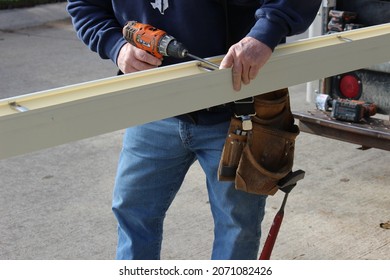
(12, 4)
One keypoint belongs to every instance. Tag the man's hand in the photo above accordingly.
(131, 59)
(246, 58)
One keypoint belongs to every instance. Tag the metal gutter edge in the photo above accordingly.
(75, 112)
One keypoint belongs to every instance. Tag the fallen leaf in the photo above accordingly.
(385, 225)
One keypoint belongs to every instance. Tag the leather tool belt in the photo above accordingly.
(259, 147)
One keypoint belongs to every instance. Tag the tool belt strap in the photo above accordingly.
(244, 107)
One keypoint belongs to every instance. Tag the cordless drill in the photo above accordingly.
(157, 42)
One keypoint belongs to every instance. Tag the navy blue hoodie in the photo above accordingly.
(200, 25)
(206, 27)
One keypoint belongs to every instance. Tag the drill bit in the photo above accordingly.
(216, 66)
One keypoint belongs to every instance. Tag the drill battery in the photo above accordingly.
(346, 109)
(352, 110)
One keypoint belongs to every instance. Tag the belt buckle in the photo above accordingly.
(246, 118)
(246, 121)
(245, 100)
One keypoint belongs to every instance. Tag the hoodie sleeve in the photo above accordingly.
(97, 27)
(277, 19)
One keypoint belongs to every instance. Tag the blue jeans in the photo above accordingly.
(153, 163)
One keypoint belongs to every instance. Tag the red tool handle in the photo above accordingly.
(273, 232)
(272, 235)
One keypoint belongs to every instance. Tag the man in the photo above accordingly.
(156, 156)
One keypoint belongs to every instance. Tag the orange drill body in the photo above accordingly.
(144, 36)
(153, 40)
(157, 42)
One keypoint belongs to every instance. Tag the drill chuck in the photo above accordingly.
(169, 46)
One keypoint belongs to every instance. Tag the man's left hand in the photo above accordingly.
(246, 59)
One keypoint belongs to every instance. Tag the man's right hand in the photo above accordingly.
(132, 59)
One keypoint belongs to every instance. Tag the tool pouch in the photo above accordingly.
(267, 158)
(268, 152)
(232, 150)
